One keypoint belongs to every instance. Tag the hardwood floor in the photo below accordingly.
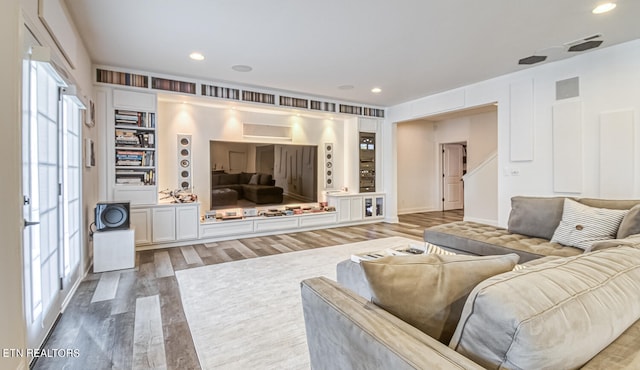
(133, 319)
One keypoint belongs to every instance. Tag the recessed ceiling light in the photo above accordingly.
(196, 56)
(376, 90)
(346, 87)
(603, 8)
(242, 68)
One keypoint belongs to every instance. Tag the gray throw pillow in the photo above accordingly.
(535, 216)
(254, 179)
(630, 224)
(428, 291)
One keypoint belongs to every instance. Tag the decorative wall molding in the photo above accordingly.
(172, 84)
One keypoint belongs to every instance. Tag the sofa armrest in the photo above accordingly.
(345, 331)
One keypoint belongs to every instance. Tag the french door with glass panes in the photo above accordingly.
(52, 203)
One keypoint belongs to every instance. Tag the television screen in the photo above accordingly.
(293, 168)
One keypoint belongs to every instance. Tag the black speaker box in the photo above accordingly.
(112, 216)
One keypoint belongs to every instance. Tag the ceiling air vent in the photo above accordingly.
(584, 44)
(533, 59)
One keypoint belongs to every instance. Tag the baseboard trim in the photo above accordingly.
(391, 220)
(417, 210)
(481, 221)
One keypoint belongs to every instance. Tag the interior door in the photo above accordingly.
(265, 159)
(41, 179)
(452, 171)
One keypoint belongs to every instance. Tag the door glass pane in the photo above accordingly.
(48, 137)
(71, 186)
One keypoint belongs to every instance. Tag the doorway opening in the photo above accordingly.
(420, 183)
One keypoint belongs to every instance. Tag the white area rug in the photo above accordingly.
(248, 314)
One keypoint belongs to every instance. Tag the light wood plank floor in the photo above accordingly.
(101, 320)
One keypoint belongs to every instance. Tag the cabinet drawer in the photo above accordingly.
(316, 220)
(275, 223)
(224, 228)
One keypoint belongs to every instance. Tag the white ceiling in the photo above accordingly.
(409, 48)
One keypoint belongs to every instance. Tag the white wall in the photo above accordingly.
(609, 80)
(417, 167)
(481, 192)
(12, 326)
(419, 158)
(207, 123)
(483, 138)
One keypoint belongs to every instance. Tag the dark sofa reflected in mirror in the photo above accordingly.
(262, 174)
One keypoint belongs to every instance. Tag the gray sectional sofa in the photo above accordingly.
(259, 188)
(565, 307)
(564, 313)
(531, 225)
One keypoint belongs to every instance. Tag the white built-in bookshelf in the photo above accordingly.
(133, 144)
(135, 147)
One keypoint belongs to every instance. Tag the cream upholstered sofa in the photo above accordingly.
(572, 312)
(531, 226)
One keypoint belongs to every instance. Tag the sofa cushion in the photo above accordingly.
(582, 225)
(244, 177)
(428, 291)
(535, 216)
(472, 237)
(623, 353)
(228, 179)
(558, 314)
(265, 179)
(630, 224)
(215, 179)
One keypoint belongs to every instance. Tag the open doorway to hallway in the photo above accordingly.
(472, 134)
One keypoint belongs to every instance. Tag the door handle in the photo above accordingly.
(31, 223)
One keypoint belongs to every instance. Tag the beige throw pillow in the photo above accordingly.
(429, 291)
(581, 225)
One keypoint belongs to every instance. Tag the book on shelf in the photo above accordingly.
(135, 119)
(134, 158)
(135, 177)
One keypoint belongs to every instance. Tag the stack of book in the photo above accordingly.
(130, 118)
(127, 137)
(396, 251)
(135, 177)
(129, 158)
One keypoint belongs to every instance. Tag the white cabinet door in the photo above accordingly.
(164, 224)
(141, 223)
(356, 208)
(379, 207)
(187, 222)
(344, 209)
